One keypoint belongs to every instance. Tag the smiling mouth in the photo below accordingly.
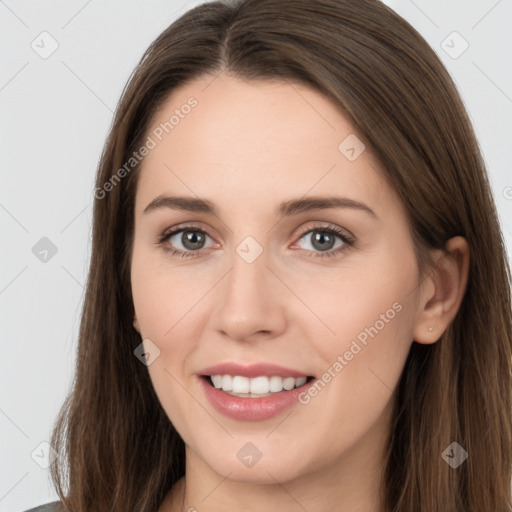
(256, 387)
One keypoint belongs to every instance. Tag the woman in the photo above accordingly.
(298, 296)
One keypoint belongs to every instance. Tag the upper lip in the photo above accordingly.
(252, 370)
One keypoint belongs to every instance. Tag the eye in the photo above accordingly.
(322, 240)
(192, 240)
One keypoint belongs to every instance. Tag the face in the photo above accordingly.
(245, 273)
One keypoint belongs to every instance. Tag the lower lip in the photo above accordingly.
(252, 409)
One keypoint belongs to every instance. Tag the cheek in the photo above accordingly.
(164, 300)
(160, 293)
(362, 365)
(367, 303)
(161, 305)
(165, 315)
(370, 315)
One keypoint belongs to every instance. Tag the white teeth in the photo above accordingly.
(257, 386)
(240, 384)
(300, 381)
(260, 385)
(276, 384)
(227, 382)
(289, 383)
(217, 381)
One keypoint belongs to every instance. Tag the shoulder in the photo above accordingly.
(54, 506)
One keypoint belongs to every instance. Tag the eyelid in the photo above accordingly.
(319, 226)
(192, 226)
(302, 231)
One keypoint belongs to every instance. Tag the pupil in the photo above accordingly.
(322, 237)
(192, 238)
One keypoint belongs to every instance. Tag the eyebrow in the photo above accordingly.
(286, 208)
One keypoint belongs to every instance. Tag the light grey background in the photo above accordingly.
(56, 112)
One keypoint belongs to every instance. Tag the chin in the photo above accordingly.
(243, 462)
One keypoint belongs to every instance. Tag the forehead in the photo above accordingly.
(226, 136)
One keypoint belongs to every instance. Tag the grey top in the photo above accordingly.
(49, 507)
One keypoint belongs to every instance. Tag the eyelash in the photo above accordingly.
(347, 240)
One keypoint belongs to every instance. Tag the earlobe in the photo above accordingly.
(441, 301)
(136, 324)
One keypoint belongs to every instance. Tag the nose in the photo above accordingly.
(251, 301)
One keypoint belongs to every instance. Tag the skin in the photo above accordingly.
(246, 147)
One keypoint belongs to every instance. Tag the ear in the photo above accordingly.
(442, 291)
(136, 323)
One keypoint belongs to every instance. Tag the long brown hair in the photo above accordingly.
(118, 449)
